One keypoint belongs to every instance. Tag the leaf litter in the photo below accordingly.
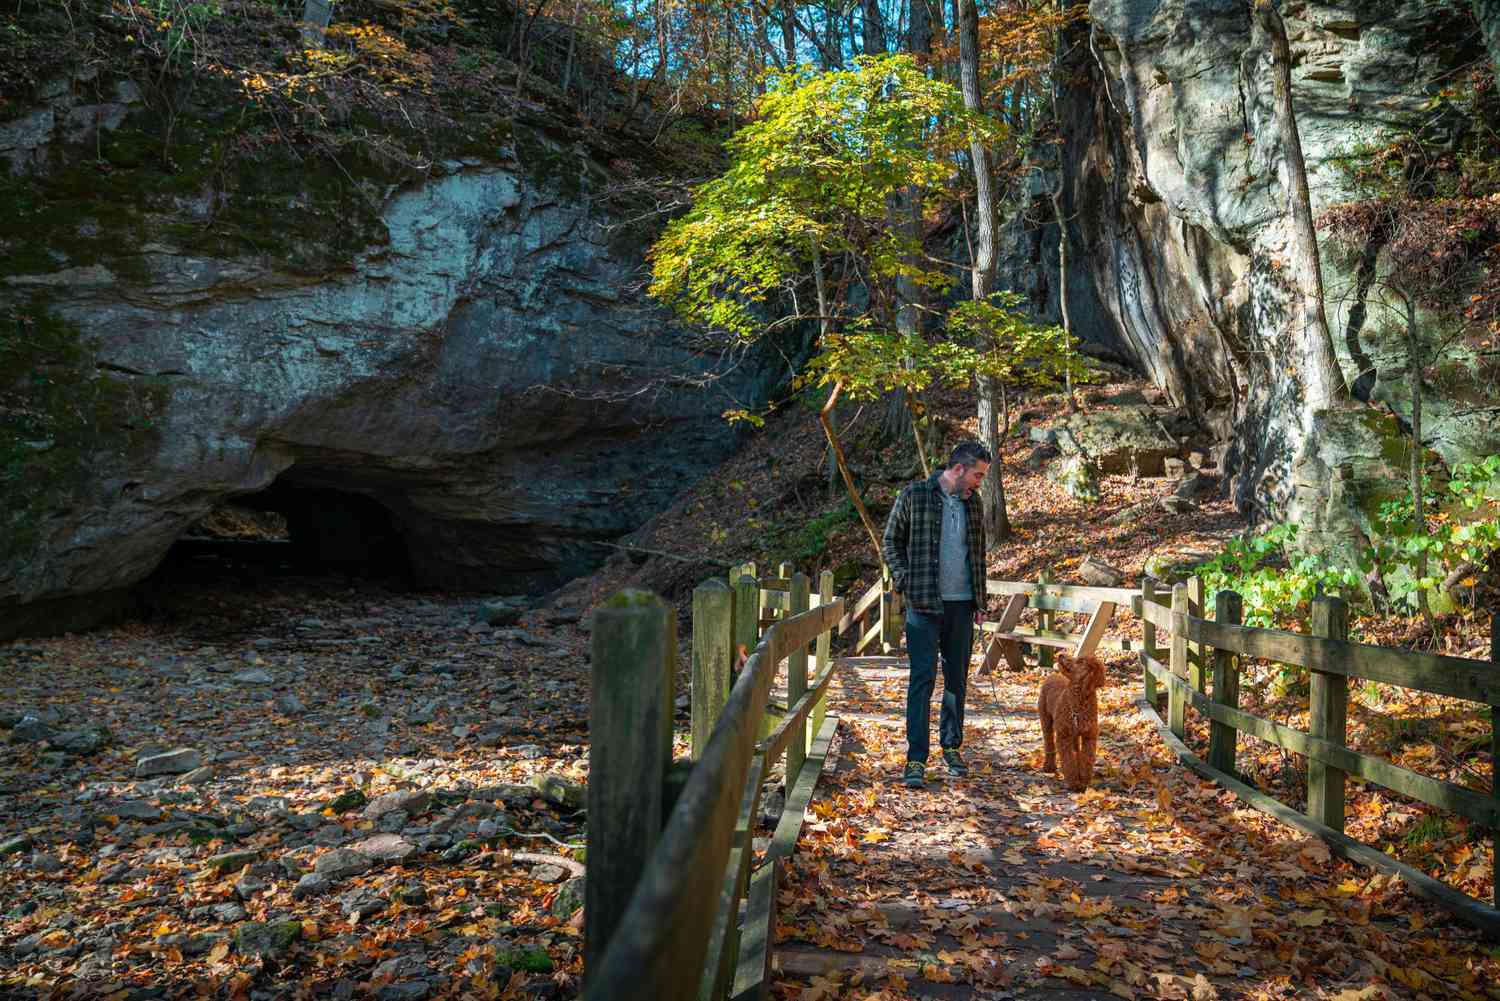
(308, 701)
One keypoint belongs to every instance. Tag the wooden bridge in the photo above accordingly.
(684, 901)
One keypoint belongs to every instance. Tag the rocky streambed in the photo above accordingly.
(330, 785)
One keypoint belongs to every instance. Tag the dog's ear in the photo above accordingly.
(1095, 668)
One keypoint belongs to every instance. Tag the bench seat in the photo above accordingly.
(1006, 642)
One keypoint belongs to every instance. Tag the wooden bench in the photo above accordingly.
(1007, 634)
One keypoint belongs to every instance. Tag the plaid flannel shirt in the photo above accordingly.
(913, 533)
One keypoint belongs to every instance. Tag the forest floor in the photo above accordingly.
(1151, 884)
(378, 796)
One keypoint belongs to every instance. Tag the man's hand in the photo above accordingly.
(979, 616)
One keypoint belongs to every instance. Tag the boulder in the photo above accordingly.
(289, 705)
(1127, 440)
(385, 848)
(311, 885)
(349, 799)
(268, 939)
(30, 728)
(256, 676)
(230, 861)
(498, 612)
(1039, 456)
(1130, 515)
(1078, 476)
(1172, 504)
(86, 740)
(561, 791)
(570, 897)
(174, 762)
(341, 863)
(411, 802)
(1195, 486)
(1096, 572)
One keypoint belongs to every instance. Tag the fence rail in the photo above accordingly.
(1195, 661)
(663, 920)
(669, 879)
(1331, 659)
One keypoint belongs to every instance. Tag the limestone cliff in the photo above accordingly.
(465, 344)
(1177, 203)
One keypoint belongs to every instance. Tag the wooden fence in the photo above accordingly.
(877, 618)
(1201, 670)
(668, 870)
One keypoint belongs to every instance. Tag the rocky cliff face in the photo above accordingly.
(468, 348)
(1179, 235)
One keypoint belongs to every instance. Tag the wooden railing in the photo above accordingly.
(1047, 599)
(663, 900)
(1210, 685)
(876, 618)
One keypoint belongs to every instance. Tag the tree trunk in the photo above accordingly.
(1414, 472)
(789, 31)
(315, 17)
(992, 490)
(905, 212)
(1057, 202)
(1325, 382)
(919, 35)
(873, 26)
(838, 458)
(916, 430)
(762, 47)
(1062, 276)
(825, 415)
(833, 47)
(663, 14)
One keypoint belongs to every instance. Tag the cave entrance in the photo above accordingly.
(288, 529)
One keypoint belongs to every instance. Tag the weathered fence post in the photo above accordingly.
(1229, 609)
(634, 651)
(1044, 621)
(796, 686)
(746, 617)
(713, 657)
(820, 663)
(1176, 696)
(1148, 641)
(1328, 697)
(1198, 653)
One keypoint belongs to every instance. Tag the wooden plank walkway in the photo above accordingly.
(1153, 884)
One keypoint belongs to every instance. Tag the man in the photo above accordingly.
(934, 547)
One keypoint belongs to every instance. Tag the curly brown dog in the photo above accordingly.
(1069, 708)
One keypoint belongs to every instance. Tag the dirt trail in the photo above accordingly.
(1152, 884)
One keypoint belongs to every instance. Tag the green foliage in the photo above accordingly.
(1462, 532)
(1277, 584)
(1001, 341)
(813, 174)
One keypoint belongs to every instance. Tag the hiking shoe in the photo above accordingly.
(915, 775)
(955, 764)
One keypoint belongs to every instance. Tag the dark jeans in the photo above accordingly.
(926, 636)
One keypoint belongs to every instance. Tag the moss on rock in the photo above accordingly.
(60, 416)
